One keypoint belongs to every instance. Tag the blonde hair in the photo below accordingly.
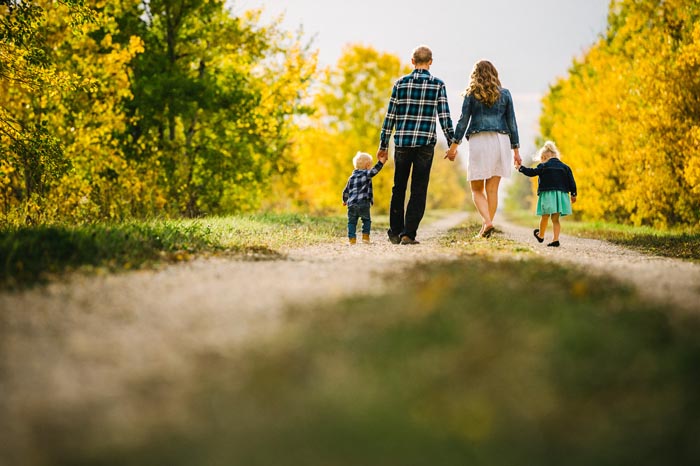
(422, 55)
(360, 156)
(548, 148)
(484, 84)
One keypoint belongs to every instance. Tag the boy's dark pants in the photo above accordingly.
(356, 212)
(421, 159)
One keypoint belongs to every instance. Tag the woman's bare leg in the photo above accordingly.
(492, 195)
(481, 203)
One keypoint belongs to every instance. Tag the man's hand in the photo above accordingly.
(451, 154)
(383, 155)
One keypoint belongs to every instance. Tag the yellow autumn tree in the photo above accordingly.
(627, 116)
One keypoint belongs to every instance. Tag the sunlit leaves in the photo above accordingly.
(627, 116)
(131, 108)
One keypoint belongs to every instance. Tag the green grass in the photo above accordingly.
(677, 243)
(479, 362)
(462, 240)
(30, 255)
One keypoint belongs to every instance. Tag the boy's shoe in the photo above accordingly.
(365, 238)
(554, 244)
(537, 236)
(408, 240)
(394, 239)
(353, 240)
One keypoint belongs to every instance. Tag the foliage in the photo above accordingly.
(31, 254)
(111, 110)
(350, 104)
(213, 100)
(31, 154)
(443, 370)
(627, 117)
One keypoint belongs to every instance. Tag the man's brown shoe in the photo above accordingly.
(408, 240)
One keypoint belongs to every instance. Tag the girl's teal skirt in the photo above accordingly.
(553, 202)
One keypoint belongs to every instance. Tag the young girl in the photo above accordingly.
(554, 185)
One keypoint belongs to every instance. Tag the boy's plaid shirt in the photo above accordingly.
(416, 100)
(359, 186)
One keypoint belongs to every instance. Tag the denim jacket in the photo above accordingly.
(478, 117)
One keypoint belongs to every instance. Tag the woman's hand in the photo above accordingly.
(451, 152)
(516, 158)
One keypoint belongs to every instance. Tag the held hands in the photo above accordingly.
(451, 153)
(383, 155)
(516, 159)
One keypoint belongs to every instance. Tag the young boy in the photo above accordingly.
(358, 195)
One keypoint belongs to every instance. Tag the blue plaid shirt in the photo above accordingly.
(359, 187)
(416, 100)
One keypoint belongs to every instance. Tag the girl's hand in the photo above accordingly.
(573, 199)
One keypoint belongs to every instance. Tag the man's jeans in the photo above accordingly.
(355, 212)
(421, 159)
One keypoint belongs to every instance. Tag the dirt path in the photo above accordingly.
(92, 341)
(671, 282)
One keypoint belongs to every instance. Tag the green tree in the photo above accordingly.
(214, 97)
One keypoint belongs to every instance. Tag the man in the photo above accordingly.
(416, 100)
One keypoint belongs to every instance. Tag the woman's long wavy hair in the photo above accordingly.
(484, 84)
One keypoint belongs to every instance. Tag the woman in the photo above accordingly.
(488, 120)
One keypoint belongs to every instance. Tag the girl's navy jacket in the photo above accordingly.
(554, 175)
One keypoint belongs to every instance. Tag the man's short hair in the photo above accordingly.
(422, 55)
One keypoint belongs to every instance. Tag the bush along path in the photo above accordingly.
(233, 359)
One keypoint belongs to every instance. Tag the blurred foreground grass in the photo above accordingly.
(31, 254)
(679, 243)
(473, 362)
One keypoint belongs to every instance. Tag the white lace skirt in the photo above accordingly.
(489, 155)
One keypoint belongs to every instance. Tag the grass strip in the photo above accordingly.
(32, 254)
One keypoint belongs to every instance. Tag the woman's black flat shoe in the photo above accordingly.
(554, 244)
(537, 235)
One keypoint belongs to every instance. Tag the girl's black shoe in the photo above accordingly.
(537, 235)
(554, 244)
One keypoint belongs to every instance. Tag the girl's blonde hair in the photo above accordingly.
(548, 148)
(484, 84)
(359, 157)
